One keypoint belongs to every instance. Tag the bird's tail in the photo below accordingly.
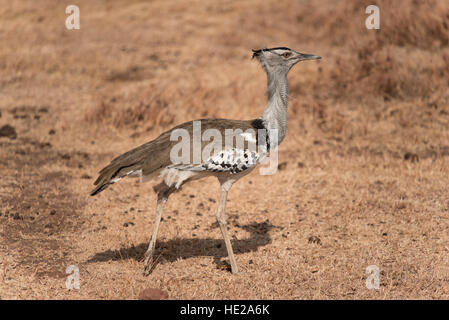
(111, 174)
(129, 163)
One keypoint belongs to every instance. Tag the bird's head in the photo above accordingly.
(281, 58)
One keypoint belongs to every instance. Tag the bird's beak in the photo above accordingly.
(304, 56)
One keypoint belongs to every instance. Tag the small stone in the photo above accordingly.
(8, 131)
(282, 166)
(413, 157)
(153, 294)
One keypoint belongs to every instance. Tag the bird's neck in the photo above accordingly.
(275, 114)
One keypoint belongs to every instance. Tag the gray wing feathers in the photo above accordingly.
(148, 158)
(120, 167)
(155, 154)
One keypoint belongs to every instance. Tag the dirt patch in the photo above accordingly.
(172, 250)
(38, 208)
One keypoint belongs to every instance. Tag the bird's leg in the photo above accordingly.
(162, 198)
(221, 219)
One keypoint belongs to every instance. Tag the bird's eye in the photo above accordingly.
(286, 54)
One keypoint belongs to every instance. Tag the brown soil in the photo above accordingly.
(363, 172)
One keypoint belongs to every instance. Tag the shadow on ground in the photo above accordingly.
(171, 250)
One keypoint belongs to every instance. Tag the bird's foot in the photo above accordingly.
(147, 271)
(235, 270)
(148, 263)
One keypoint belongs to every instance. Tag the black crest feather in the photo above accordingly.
(257, 52)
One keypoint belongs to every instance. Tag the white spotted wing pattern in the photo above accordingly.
(230, 160)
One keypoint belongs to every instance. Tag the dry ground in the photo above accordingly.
(365, 165)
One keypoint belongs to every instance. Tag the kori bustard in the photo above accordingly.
(228, 163)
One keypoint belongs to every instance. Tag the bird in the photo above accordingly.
(159, 159)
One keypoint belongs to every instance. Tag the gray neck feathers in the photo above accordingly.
(275, 114)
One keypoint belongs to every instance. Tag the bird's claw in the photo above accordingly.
(146, 271)
(148, 267)
(148, 264)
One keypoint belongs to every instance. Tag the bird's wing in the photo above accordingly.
(155, 155)
(231, 159)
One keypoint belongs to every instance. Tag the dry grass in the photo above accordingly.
(365, 161)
